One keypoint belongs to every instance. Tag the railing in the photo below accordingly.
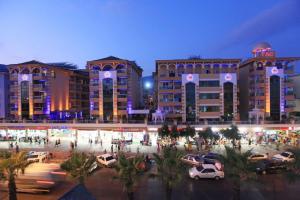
(130, 121)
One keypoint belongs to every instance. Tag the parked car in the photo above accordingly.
(285, 157)
(192, 159)
(257, 157)
(212, 157)
(206, 171)
(106, 159)
(270, 167)
(34, 156)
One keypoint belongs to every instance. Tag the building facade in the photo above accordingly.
(4, 92)
(266, 86)
(296, 83)
(48, 91)
(195, 90)
(115, 88)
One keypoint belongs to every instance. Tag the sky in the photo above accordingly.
(76, 31)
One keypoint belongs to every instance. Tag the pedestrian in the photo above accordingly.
(112, 149)
(118, 147)
(58, 141)
(17, 148)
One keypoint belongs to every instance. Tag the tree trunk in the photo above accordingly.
(12, 189)
(130, 195)
(168, 192)
(237, 189)
(81, 180)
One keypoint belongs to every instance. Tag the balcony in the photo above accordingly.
(37, 76)
(13, 97)
(13, 77)
(38, 87)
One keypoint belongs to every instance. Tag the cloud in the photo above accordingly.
(282, 16)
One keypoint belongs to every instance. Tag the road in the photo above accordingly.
(103, 185)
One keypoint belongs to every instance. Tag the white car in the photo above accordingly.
(206, 171)
(257, 157)
(106, 160)
(285, 157)
(37, 156)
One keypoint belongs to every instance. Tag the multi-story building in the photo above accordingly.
(197, 89)
(266, 88)
(296, 81)
(115, 88)
(48, 90)
(4, 96)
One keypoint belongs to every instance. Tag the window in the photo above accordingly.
(177, 84)
(122, 81)
(122, 105)
(200, 168)
(166, 85)
(213, 83)
(122, 93)
(177, 97)
(209, 108)
(209, 96)
(208, 171)
(171, 74)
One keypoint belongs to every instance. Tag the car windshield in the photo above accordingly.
(109, 158)
(33, 156)
(197, 158)
(285, 154)
(200, 168)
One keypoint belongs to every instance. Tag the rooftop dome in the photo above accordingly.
(262, 45)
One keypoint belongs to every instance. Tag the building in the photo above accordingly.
(266, 88)
(4, 92)
(296, 81)
(48, 91)
(197, 89)
(148, 92)
(115, 88)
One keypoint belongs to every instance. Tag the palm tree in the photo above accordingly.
(10, 167)
(79, 166)
(188, 132)
(169, 169)
(174, 132)
(128, 172)
(237, 168)
(164, 131)
(294, 172)
(232, 134)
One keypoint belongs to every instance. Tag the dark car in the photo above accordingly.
(271, 167)
(212, 157)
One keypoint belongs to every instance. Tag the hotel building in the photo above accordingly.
(266, 87)
(115, 88)
(4, 96)
(48, 91)
(192, 90)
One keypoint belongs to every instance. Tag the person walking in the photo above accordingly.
(112, 149)
(17, 148)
